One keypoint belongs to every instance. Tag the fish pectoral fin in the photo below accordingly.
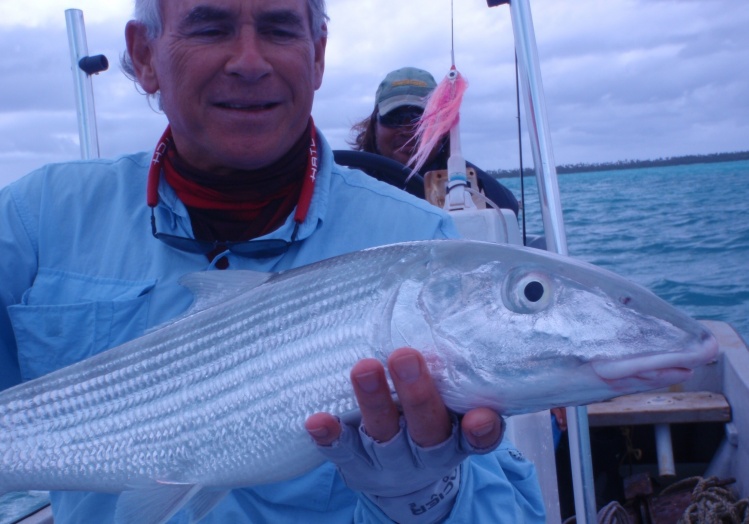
(408, 326)
(203, 502)
(153, 503)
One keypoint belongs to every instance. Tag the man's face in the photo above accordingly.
(236, 78)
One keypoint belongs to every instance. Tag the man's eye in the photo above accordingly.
(277, 32)
(209, 32)
(282, 33)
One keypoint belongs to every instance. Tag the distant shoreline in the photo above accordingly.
(629, 164)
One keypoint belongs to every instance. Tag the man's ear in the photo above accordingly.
(320, 46)
(139, 47)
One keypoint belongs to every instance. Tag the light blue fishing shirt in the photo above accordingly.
(80, 272)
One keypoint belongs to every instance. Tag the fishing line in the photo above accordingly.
(520, 149)
(452, 32)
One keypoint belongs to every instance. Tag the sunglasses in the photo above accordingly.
(406, 117)
(265, 248)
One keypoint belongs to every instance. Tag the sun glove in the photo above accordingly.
(409, 483)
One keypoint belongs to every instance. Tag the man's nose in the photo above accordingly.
(247, 56)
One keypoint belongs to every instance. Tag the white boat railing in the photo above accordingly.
(83, 66)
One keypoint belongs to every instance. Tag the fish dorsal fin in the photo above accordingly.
(210, 288)
(216, 287)
(153, 503)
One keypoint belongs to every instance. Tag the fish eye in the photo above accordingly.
(534, 291)
(527, 292)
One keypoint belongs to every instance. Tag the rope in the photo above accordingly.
(611, 513)
(711, 502)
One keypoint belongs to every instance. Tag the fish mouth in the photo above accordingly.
(650, 379)
(647, 368)
(660, 367)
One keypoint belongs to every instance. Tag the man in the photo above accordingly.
(92, 251)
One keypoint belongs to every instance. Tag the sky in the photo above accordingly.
(623, 79)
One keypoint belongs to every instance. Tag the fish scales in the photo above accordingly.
(135, 361)
(219, 397)
(183, 354)
(141, 359)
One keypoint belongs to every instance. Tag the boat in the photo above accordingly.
(710, 404)
(726, 381)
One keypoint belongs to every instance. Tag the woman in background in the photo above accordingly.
(389, 129)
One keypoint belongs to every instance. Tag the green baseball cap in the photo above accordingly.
(408, 86)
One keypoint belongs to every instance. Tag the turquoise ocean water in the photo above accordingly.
(681, 231)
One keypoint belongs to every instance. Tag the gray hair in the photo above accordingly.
(148, 13)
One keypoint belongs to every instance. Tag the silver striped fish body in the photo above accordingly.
(219, 397)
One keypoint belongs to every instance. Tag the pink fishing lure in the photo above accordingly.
(441, 113)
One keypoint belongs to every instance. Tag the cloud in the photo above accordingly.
(49, 13)
(623, 79)
(38, 120)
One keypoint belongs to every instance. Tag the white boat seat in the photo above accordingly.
(660, 408)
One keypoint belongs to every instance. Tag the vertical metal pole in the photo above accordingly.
(665, 449)
(538, 128)
(84, 92)
(556, 240)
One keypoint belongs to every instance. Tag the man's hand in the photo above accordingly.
(406, 461)
(427, 419)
